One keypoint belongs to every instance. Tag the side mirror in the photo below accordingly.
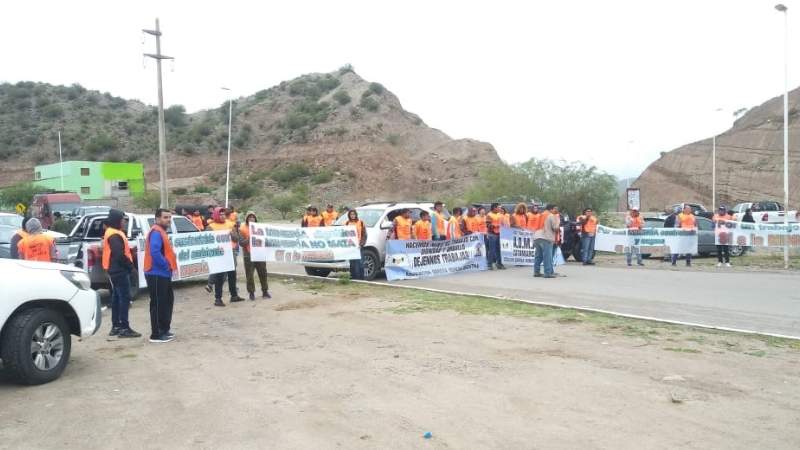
(387, 225)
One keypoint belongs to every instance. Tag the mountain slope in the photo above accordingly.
(749, 163)
(335, 123)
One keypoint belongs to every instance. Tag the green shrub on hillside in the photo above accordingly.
(370, 104)
(347, 68)
(289, 174)
(376, 88)
(393, 139)
(342, 97)
(243, 190)
(175, 116)
(101, 143)
(322, 177)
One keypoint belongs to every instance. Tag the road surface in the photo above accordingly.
(763, 302)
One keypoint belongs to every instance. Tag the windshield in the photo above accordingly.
(64, 207)
(6, 233)
(369, 216)
(11, 221)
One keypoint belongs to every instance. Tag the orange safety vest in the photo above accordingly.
(635, 223)
(441, 223)
(453, 228)
(403, 228)
(244, 230)
(687, 221)
(169, 253)
(313, 221)
(535, 221)
(497, 221)
(225, 226)
(198, 222)
(521, 220)
(329, 217)
(423, 230)
(473, 224)
(35, 247)
(359, 228)
(107, 248)
(589, 224)
(718, 218)
(482, 228)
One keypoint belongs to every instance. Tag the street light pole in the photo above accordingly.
(714, 169)
(162, 135)
(230, 127)
(60, 160)
(782, 8)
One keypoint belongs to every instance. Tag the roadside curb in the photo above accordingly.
(547, 304)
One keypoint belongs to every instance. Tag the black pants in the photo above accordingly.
(219, 281)
(723, 253)
(161, 302)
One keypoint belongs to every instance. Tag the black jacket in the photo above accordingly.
(670, 221)
(119, 263)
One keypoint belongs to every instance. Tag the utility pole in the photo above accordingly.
(782, 8)
(60, 160)
(162, 136)
(230, 128)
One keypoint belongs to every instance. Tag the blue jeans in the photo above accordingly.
(357, 269)
(493, 248)
(587, 248)
(544, 254)
(120, 300)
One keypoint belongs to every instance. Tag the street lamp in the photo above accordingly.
(230, 125)
(782, 8)
(714, 169)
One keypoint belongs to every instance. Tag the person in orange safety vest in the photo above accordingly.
(160, 263)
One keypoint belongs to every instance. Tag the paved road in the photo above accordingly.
(755, 301)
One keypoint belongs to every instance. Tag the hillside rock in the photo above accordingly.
(335, 122)
(749, 163)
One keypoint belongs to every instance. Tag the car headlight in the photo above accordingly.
(79, 279)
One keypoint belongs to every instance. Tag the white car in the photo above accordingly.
(377, 218)
(43, 304)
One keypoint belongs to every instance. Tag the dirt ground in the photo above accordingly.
(327, 365)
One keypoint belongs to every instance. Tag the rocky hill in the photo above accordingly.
(749, 163)
(344, 138)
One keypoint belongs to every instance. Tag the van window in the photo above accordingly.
(183, 225)
(704, 224)
(96, 229)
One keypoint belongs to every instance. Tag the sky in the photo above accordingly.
(610, 83)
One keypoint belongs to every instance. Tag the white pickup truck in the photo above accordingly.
(763, 212)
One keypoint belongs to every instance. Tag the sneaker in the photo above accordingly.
(590, 263)
(266, 295)
(128, 333)
(549, 276)
(501, 266)
(491, 267)
(719, 264)
(674, 264)
(640, 264)
(209, 288)
(727, 264)
(114, 331)
(629, 264)
(537, 275)
(218, 302)
(170, 334)
(161, 339)
(236, 298)
(688, 264)
(252, 296)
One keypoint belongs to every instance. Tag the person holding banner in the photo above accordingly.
(506, 217)
(544, 241)
(534, 218)
(438, 222)
(482, 215)
(312, 218)
(357, 265)
(159, 265)
(685, 221)
(329, 216)
(472, 223)
(520, 217)
(220, 224)
(634, 223)
(723, 251)
(250, 266)
(494, 220)
(402, 228)
(455, 225)
(423, 228)
(588, 224)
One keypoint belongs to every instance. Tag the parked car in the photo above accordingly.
(377, 218)
(11, 220)
(84, 245)
(77, 213)
(697, 209)
(44, 205)
(43, 305)
(706, 238)
(764, 212)
(7, 232)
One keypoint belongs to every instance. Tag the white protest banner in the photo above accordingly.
(421, 259)
(199, 254)
(516, 246)
(274, 243)
(748, 234)
(648, 240)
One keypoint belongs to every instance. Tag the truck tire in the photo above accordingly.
(371, 263)
(737, 250)
(314, 272)
(35, 346)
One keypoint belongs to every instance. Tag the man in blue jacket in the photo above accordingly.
(159, 265)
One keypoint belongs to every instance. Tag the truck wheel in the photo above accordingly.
(134, 282)
(372, 265)
(314, 272)
(737, 250)
(36, 346)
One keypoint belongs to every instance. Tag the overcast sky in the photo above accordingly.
(575, 80)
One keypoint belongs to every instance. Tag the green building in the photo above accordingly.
(93, 180)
